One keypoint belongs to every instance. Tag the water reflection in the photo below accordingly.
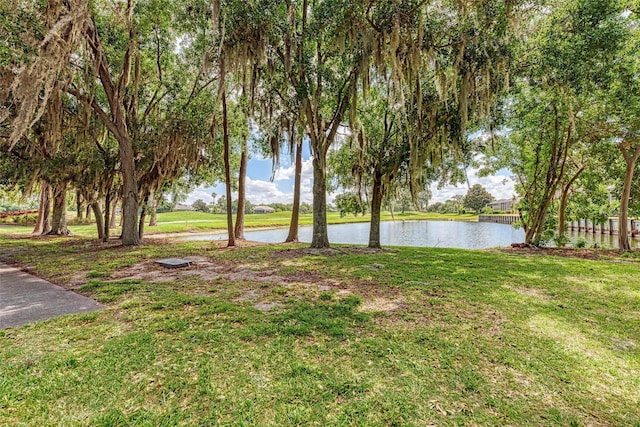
(442, 234)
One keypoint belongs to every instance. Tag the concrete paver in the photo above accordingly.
(25, 298)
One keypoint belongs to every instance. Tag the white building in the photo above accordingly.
(263, 209)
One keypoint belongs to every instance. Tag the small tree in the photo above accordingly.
(476, 198)
(200, 206)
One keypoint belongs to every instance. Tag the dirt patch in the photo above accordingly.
(298, 252)
(250, 295)
(380, 304)
(254, 276)
(592, 254)
(268, 306)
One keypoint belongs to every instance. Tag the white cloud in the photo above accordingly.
(203, 193)
(281, 190)
(283, 174)
(501, 187)
(262, 192)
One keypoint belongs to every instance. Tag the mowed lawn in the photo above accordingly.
(284, 335)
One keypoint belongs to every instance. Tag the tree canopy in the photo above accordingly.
(119, 102)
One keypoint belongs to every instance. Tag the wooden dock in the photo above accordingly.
(609, 227)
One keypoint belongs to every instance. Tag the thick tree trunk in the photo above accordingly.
(242, 176)
(59, 217)
(320, 233)
(130, 202)
(297, 185)
(376, 204)
(623, 229)
(95, 206)
(227, 171)
(43, 223)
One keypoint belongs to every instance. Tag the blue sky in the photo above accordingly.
(261, 189)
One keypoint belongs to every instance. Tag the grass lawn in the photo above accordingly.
(284, 335)
(183, 222)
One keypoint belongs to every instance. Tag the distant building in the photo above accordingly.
(501, 205)
(180, 207)
(263, 209)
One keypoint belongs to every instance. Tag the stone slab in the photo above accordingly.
(25, 298)
(173, 262)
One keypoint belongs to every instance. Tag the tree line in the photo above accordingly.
(127, 102)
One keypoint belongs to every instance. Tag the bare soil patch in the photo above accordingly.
(592, 254)
(380, 304)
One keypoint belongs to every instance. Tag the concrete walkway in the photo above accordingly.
(25, 298)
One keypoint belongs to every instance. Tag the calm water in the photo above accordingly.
(443, 234)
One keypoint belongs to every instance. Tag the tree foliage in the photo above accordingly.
(477, 198)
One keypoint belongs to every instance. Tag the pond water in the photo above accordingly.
(445, 234)
(442, 234)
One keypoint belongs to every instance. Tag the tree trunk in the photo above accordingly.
(95, 206)
(242, 176)
(529, 235)
(320, 234)
(153, 218)
(538, 220)
(297, 185)
(227, 170)
(43, 224)
(130, 202)
(107, 211)
(116, 122)
(376, 204)
(562, 213)
(623, 229)
(114, 208)
(143, 214)
(59, 218)
(87, 213)
(79, 205)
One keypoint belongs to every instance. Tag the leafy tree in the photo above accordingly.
(563, 64)
(349, 203)
(476, 198)
(200, 206)
(221, 205)
(248, 207)
(622, 112)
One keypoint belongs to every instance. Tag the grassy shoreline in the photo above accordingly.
(284, 335)
(195, 222)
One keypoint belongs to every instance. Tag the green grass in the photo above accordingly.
(182, 222)
(282, 335)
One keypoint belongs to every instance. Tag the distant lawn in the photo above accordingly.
(182, 222)
(284, 335)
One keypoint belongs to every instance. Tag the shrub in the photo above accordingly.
(560, 241)
(581, 243)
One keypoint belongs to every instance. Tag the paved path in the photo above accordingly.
(25, 298)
